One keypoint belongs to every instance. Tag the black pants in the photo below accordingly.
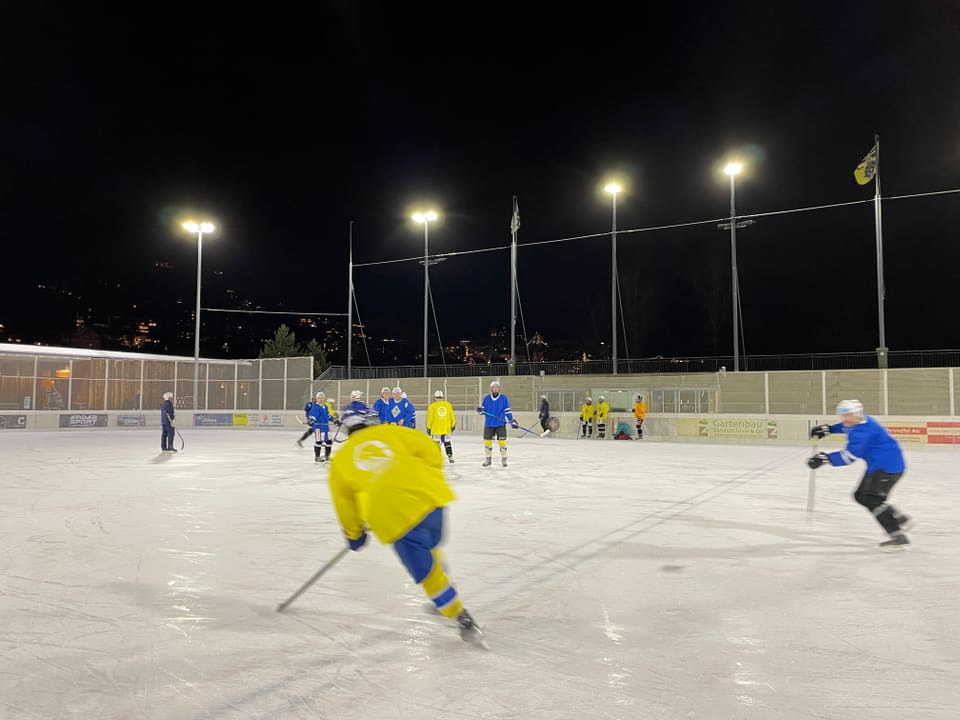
(166, 438)
(872, 494)
(543, 422)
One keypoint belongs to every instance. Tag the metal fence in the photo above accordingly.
(641, 366)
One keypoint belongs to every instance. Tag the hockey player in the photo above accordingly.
(411, 421)
(587, 411)
(356, 402)
(496, 410)
(441, 422)
(321, 416)
(869, 441)
(399, 476)
(167, 423)
(306, 414)
(544, 413)
(401, 409)
(383, 405)
(603, 410)
(639, 413)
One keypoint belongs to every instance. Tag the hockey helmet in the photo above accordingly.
(356, 395)
(602, 399)
(321, 394)
(384, 390)
(438, 394)
(397, 390)
(168, 396)
(850, 407)
(495, 384)
(589, 400)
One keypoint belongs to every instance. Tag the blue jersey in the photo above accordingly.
(868, 441)
(320, 415)
(499, 408)
(382, 408)
(401, 412)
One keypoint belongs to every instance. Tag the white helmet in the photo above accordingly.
(589, 399)
(321, 394)
(398, 390)
(168, 395)
(495, 383)
(850, 407)
(356, 395)
(438, 394)
(384, 390)
(602, 398)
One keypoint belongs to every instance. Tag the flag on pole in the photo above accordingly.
(867, 168)
(515, 220)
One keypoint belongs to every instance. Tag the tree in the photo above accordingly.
(284, 344)
(320, 361)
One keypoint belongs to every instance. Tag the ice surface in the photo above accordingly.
(614, 580)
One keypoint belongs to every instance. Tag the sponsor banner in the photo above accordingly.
(84, 420)
(13, 422)
(131, 421)
(733, 428)
(240, 420)
(213, 419)
(943, 433)
(908, 432)
(266, 420)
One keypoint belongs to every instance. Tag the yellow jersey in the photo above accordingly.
(387, 478)
(440, 418)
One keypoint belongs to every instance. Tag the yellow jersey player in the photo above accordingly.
(390, 480)
(587, 411)
(441, 422)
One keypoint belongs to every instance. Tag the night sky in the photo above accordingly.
(282, 126)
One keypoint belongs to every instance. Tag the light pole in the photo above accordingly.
(425, 219)
(613, 189)
(732, 169)
(199, 229)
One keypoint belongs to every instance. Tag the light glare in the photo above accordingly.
(426, 217)
(613, 188)
(733, 168)
(191, 226)
(206, 227)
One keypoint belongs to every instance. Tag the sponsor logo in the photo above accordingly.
(13, 422)
(213, 419)
(87, 420)
(131, 421)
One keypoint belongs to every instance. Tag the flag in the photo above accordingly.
(868, 166)
(515, 220)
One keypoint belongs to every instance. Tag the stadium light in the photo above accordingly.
(613, 188)
(199, 229)
(425, 219)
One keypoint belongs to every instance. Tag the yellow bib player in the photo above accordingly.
(587, 411)
(603, 410)
(441, 422)
(390, 480)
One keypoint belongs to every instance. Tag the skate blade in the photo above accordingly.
(474, 636)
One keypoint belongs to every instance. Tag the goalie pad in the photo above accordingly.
(553, 424)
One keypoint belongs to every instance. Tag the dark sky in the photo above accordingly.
(282, 126)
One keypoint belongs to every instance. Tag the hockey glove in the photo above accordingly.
(480, 410)
(359, 542)
(173, 422)
(514, 424)
(428, 432)
(819, 431)
(452, 429)
(817, 460)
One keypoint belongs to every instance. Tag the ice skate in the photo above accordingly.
(896, 542)
(487, 462)
(905, 522)
(450, 458)
(469, 630)
(300, 443)
(503, 461)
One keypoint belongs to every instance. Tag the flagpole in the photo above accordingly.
(881, 290)
(514, 226)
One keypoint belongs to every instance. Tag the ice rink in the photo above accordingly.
(615, 580)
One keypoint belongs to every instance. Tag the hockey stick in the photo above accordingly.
(518, 427)
(812, 481)
(183, 444)
(316, 576)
